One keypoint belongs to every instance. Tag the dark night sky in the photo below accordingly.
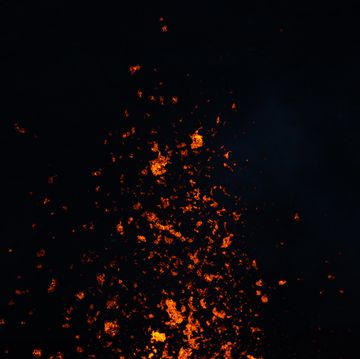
(294, 71)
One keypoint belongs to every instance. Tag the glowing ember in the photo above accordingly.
(37, 353)
(111, 328)
(197, 140)
(175, 317)
(296, 217)
(158, 337)
(80, 295)
(52, 286)
(185, 353)
(20, 129)
(134, 69)
(120, 228)
(158, 165)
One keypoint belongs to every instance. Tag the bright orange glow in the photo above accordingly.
(134, 69)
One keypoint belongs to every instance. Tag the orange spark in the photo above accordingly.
(175, 316)
(157, 336)
(52, 286)
(111, 328)
(80, 295)
(120, 228)
(158, 165)
(219, 314)
(134, 69)
(197, 140)
(37, 353)
(184, 353)
(41, 253)
(141, 238)
(100, 279)
(19, 128)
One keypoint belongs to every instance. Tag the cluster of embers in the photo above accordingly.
(174, 280)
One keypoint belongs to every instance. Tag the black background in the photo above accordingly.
(294, 70)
